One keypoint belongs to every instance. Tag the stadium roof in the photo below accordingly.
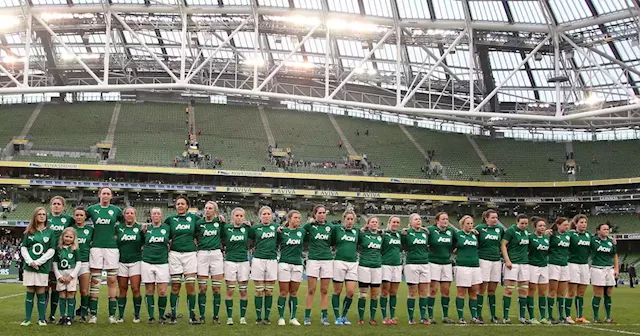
(557, 63)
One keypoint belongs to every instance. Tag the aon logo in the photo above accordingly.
(603, 249)
(56, 227)
(542, 248)
(209, 233)
(156, 240)
(128, 238)
(394, 241)
(348, 238)
(267, 235)
(103, 221)
(236, 238)
(82, 240)
(563, 244)
(420, 242)
(374, 246)
(470, 243)
(491, 237)
(183, 226)
(293, 242)
(444, 240)
(584, 243)
(321, 236)
(524, 242)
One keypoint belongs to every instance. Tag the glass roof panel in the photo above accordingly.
(540, 77)
(274, 3)
(501, 60)
(49, 2)
(378, 7)
(520, 78)
(308, 4)
(545, 63)
(244, 39)
(412, 9)
(237, 2)
(170, 37)
(281, 42)
(9, 3)
(84, 2)
(201, 2)
(627, 51)
(459, 59)
(349, 6)
(487, 11)
(127, 1)
(386, 52)
(315, 45)
(606, 6)
(569, 10)
(526, 11)
(351, 48)
(448, 9)
(516, 96)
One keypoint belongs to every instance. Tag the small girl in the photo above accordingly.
(66, 267)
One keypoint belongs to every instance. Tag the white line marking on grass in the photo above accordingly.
(11, 296)
(613, 330)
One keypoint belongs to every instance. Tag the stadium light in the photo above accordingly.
(8, 21)
(338, 24)
(371, 72)
(591, 101)
(254, 61)
(302, 65)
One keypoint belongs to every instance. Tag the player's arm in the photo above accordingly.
(56, 271)
(505, 254)
(616, 263)
(75, 270)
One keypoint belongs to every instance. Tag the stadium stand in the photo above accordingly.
(56, 159)
(12, 120)
(620, 223)
(607, 159)
(70, 127)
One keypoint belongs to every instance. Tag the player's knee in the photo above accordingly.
(283, 293)
(350, 292)
(311, 290)
(324, 291)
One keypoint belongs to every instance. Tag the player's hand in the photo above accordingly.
(616, 273)
(548, 232)
(144, 227)
(61, 279)
(34, 265)
(508, 264)
(615, 242)
(475, 232)
(312, 220)
(247, 223)
(221, 218)
(279, 229)
(403, 232)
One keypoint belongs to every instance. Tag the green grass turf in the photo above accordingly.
(625, 312)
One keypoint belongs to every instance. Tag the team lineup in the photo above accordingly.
(557, 262)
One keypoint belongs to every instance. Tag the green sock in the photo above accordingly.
(392, 306)
(268, 303)
(373, 307)
(191, 303)
(243, 307)
(137, 304)
(62, 303)
(42, 305)
(383, 307)
(202, 304)
(281, 302)
(93, 306)
(595, 304)
(579, 305)
(460, 307)
(561, 313)
(480, 301)
(28, 306)
(217, 299)
(473, 308)
(293, 306)
(506, 306)
(173, 302)
(492, 306)
(150, 304)
(607, 304)
(362, 303)
(84, 305)
(71, 307)
(522, 304)
(229, 305)
(162, 306)
(346, 304)
(335, 305)
(430, 302)
(550, 303)
(113, 304)
(55, 301)
(307, 313)
(257, 302)
(411, 306)
(122, 304)
(568, 302)
(423, 306)
(542, 306)
(324, 313)
(444, 302)
(530, 306)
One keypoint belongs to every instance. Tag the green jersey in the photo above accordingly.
(183, 232)
(104, 221)
(517, 244)
(291, 242)
(346, 243)
(156, 244)
(579, 247)
(37, 245)
(602, 252)
(370, 244)
(235, 242)
(416, 243)
(489, 239)
(538, 250)
(392, 248)
(130, 241)
(440, 245)
(559, 249)
(319, 240)
(66, 258)
(208, 234)
(57, 224)
(265, 237)
(85, 235)
(466, 245)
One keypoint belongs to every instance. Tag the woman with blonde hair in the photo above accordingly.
(558, 268)
(345, 265)
(391, 269)
(467, 272)
(579, 250)
(58, 221)
(370, 268)
(264, 265)
(236, 263)
(291, 240)
(416, 269)
(38, 247)
(440, 249)
(66, 266)
(210, 259)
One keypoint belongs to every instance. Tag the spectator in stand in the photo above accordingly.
(632, 275)
(366, 132)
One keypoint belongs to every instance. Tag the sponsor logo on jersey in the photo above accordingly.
(394, 242)
(63, 220)
(299, 234)
(603, 249)
(183, 226)
(523, 242)
(267, 235)
(563, 244)
(86, 231)
(236, 238)
(470, 243)
(491, 237)
(163, 231)
(209, 233)
(420, 242)
(444, 240)
(128, 237)
(584, 243)
(373, 245)
(45, 239)
(542, 248)
(156, 240)
(328, 229)
(56, 227)
(135, 230)
(110, 212)
(103, 221)
(348, 238)
(82, 240)
(291, 241)
(320, 236)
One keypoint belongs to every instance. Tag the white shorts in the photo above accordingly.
(30, 279)
(236, 271)
(183, 263)
(518, 272)
(129, 269)
(155, 273)
(491, 270)
(290, 272)
(210, 263)
(84, 268)
(344, 271)
(579, 274)
(391, 273)
(104, 258)
(417, 273)
(369, 275)
(441, 272)
(602, 277)
(468, 276)
(322, 269)
(538, 275)
(559, 273)
(70, 287)
(264, 269)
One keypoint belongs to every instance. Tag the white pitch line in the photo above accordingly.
(613, 330)
(11, 296)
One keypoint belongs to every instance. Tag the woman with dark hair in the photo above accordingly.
(579, 250)
(514, 247)
(58, 221)
(489, 238)
(345, 265)
(291, 240)
(85, 235)
(130, 242)
(391, 269)
(370, 268)
(440, 250)
(558, 268)
(538, 270)
(604, 271)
